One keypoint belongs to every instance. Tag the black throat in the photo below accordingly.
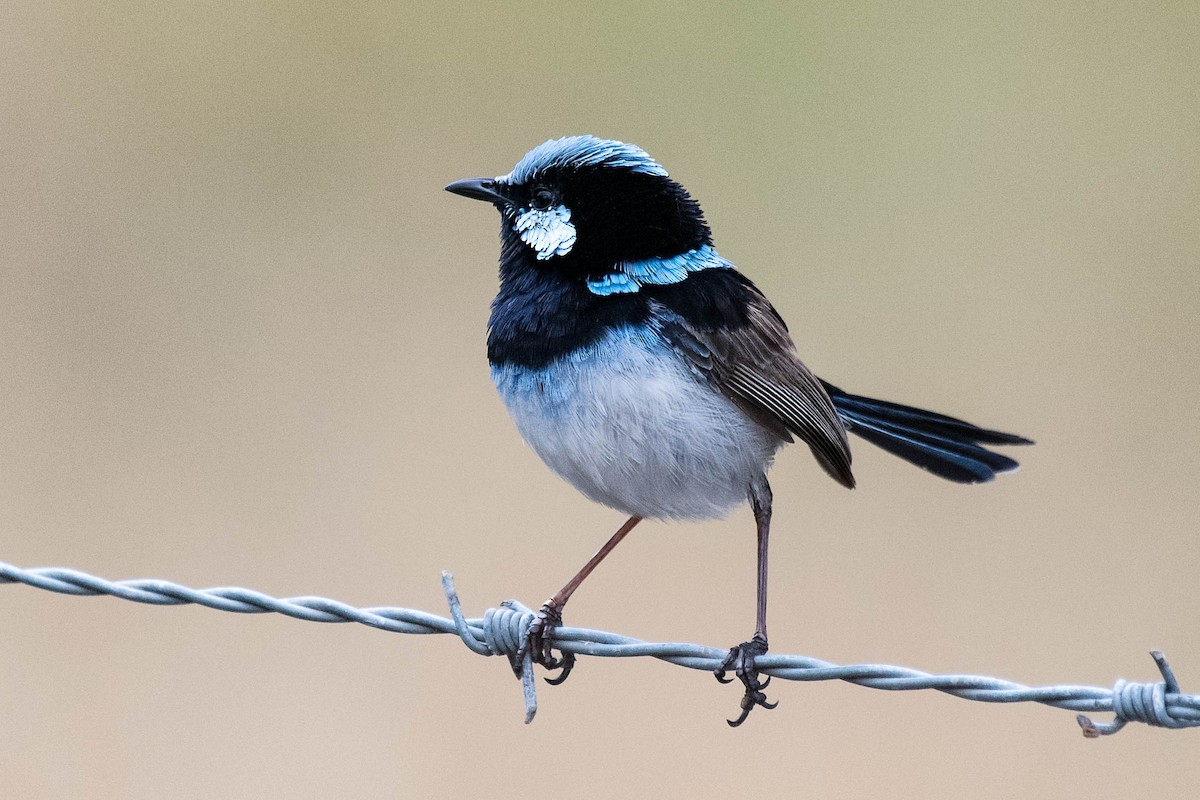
(542, 314)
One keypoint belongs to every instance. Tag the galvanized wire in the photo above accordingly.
(501, 630)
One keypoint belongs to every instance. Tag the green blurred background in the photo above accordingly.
(242, 343)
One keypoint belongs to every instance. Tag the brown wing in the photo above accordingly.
(755, 365)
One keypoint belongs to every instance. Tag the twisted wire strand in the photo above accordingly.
(501, 631)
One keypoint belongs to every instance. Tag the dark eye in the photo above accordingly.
(542, 198)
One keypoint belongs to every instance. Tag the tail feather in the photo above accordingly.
(948, 447)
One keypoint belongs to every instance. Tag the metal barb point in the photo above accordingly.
(460, 622)
(1152, 712)
(529, 687)
(1090, 731)
(1164, 669)
(463, 628)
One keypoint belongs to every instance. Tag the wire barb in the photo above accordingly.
(501, 630)
(1141, 702)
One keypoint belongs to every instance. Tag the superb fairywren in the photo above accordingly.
(653, 376)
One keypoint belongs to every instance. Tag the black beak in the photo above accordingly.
(477, 189)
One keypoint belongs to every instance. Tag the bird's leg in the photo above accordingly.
(549, 616)
(741, 658)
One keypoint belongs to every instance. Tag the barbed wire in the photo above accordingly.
(501, 630)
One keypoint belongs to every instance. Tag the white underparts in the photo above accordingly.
(629, 424)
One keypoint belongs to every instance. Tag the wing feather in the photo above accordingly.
(754, 363)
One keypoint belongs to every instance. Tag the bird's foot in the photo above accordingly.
(538, 643)
(741, 661)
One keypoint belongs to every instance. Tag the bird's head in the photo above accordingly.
(596, 210)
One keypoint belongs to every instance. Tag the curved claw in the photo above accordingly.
(749, 701)
(537, 643)
(733, 723)
(567, 663)
(741, 661)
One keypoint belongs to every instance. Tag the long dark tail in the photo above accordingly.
(947, 447)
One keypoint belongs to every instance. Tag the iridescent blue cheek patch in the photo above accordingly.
(548, 231)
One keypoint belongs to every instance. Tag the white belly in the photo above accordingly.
(632, 426)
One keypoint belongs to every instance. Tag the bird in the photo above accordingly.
(653, 376)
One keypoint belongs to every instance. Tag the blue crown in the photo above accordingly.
(583, 151)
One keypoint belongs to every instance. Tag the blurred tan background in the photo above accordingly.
(242, 343)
